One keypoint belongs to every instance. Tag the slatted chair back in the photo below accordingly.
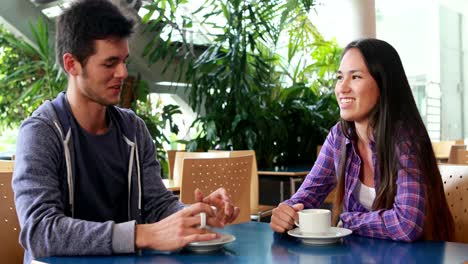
(257, 211)
(7, 165)
(458, 155)
(233, 174)
(442, 149)
(171, 155)
(10, 249)
(455, 179)
(180, 156)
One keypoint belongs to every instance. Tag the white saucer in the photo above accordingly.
(211, 245)
(330, 237)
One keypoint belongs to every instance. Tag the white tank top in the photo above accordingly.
(365, 195)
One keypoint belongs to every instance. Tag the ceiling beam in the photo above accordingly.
(17, 15)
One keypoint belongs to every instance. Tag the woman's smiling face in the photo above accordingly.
(356, 90)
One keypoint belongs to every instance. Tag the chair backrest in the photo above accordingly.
(171, 160)
(254, 189)
(442, 148)
(6, 165)
(233, 174)
(180, 156)
(254, 181)
(254, 185)
(455, 179)
(458, 155)
(10, 249)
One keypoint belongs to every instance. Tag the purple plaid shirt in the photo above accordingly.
(404, 222)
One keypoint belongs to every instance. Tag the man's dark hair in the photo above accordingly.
(86, 21)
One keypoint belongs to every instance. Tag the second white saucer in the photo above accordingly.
(330, 237)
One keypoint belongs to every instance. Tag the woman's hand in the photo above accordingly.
(283, 217)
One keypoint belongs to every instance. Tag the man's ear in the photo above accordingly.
(71, 65)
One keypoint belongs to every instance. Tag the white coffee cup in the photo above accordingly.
(202, 220)
(314, 221)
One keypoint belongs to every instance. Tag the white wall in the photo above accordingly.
(409, 30)
(465, 69)
(425, 38)
(451, 63)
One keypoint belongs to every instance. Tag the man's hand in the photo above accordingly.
(226, 212)
(177, 230)
(283, 217)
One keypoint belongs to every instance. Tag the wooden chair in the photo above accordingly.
(10, 249)
(171, 160)
(257, 211)
(458, 155)
(442, 149)
(180, 156)
(233, 174)
(455, 178)
(7, 165)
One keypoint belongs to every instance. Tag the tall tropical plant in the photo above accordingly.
(257, 92)
(28, 74)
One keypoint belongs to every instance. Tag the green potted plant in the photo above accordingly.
(157, 117)
(252, 97)
(28, 74)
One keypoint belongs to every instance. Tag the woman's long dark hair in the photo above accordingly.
(396, 110)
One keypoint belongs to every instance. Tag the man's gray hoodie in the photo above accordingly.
(44, 194)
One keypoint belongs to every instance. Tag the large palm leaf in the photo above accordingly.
(31, 75)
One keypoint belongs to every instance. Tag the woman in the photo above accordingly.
(379, 156)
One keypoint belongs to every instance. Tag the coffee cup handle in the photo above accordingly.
(296, 223)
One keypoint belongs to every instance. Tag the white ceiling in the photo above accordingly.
(459, 5)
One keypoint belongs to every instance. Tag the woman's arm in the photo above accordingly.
(405, 221)
(322, 178)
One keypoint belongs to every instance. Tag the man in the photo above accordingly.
(86, 177)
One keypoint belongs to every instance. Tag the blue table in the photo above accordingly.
(256, 243)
